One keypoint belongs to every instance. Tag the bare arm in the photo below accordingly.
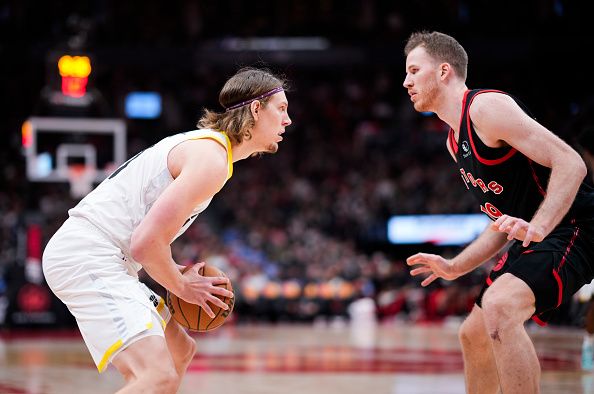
(499, 121)
(480, 250)
(202, 172)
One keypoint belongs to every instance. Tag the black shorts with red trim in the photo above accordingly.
(555, 268)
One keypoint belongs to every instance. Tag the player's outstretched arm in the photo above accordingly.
(480, 250)
(499, 120)
(200, 170)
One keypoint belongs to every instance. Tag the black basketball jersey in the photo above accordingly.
(503, 180)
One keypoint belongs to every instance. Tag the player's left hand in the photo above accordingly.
(519, 229)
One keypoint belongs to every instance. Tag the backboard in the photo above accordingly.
(52, 146)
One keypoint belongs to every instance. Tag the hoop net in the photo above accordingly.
(81, 178)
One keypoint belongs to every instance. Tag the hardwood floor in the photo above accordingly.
(292, 359)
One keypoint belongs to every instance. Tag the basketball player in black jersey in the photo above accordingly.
(529, 182)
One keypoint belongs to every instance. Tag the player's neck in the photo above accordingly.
(240, 152)
(449, 108)
(244, 150)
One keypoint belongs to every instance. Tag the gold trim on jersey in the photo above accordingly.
(229, 155)
(226, 145)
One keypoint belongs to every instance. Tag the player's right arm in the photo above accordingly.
(480, 250)
(200, 170)
(499, 121)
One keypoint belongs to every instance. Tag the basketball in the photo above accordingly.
(192, 316)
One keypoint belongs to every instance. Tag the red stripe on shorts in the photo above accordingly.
(563, 260)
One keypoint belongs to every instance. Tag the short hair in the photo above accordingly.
(442, 48)
(248, 83)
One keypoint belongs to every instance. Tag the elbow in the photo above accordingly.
(147, 247)
(136, 251)
(572, 165)
(138, 247)
(581, 168)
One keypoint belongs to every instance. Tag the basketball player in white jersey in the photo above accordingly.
(129, 221)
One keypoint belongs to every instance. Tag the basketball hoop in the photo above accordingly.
(81, 178)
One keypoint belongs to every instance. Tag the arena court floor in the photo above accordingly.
(293, 359)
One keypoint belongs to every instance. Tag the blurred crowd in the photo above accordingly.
(302, 233)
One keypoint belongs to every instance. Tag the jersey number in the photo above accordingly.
(491, 210)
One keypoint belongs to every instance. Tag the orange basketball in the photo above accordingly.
(192, 316)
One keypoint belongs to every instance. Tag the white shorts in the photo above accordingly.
(89, 274)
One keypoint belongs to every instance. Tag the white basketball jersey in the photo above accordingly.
(120, 202)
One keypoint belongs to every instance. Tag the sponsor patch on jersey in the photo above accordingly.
(465, 149)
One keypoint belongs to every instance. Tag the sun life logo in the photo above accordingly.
(465, 149)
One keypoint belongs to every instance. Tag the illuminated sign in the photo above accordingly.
(453, 229)
(26, 134)
(143, 105)
(75, 71)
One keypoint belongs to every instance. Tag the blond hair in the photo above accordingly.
(442, 48)
(248, 83)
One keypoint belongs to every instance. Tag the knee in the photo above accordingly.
(472, 334)
(502, 310)
(191, 351)
(165, 379)
(183, 351)
(127, 373)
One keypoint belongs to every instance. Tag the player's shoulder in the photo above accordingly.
(489, 97)
(206, 134)
(200, 153)
(206, 150)
(490, 102)
(204, 163)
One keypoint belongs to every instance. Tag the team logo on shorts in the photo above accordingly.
(154, 300)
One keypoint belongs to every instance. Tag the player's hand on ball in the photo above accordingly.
(200, 290)
(519, 229)
(194, 316)
(432, 264)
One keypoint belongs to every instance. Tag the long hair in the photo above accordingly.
(248, 83)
